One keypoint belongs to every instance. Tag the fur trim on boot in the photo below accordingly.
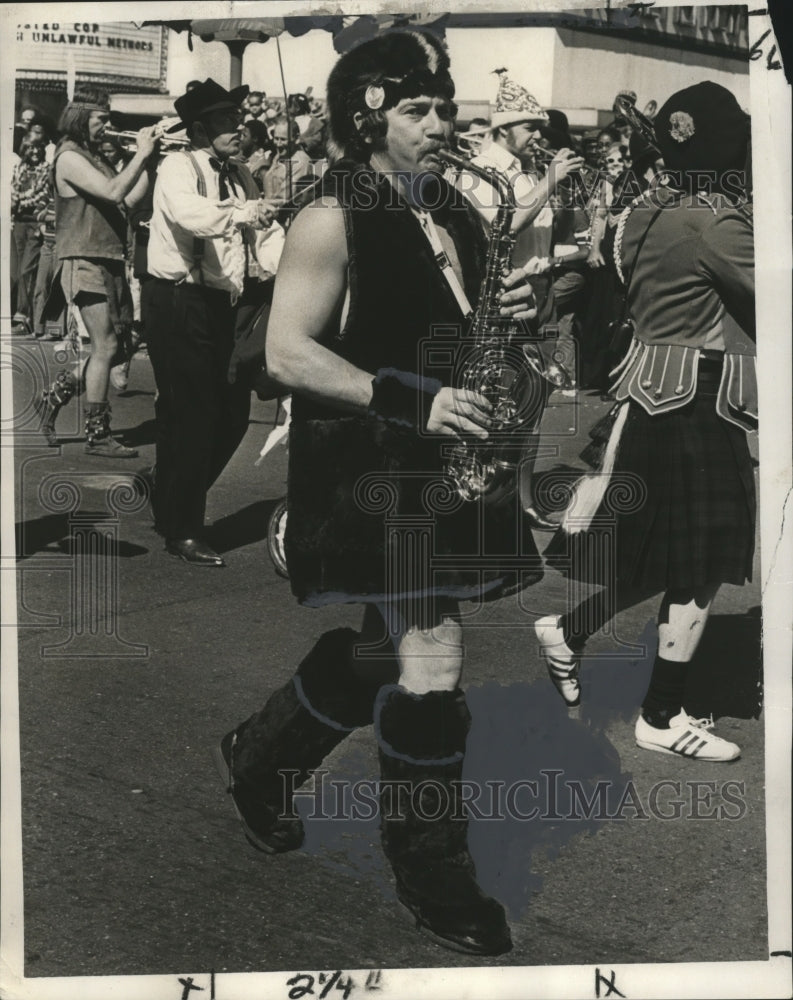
(273, 753)
(423, 824)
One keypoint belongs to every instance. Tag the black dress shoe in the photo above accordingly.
(193, 551)
(536, 520)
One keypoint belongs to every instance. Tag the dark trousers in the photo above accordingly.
(568, 290)
(48, 265)
(27, 241)
(201, 418)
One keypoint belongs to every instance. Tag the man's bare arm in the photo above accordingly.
(139, 189)
(564, 163)
(75, 174)
(307, 301)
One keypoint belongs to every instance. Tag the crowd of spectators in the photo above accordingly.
(283, 144)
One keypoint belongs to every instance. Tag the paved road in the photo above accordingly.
(133, 860)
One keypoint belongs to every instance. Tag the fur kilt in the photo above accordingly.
(371, 517)
(679, 511)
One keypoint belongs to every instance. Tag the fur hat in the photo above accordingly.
(703, 128)
(643, 154)
(205, 97)
(515, 104)
(377, 75)
(558, 120)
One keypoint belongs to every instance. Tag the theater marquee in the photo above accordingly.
(114, 54)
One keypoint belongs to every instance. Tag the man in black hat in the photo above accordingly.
(688, 395)
(372, 517)
(212, 241)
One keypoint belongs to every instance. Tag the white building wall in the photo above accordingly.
(206, 59)
(561, 68)
(588, 73)
(526, 53)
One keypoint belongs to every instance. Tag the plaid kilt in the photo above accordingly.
(692, 523)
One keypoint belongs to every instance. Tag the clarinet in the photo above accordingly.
(493, 364)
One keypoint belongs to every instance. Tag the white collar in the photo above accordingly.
(499, 157)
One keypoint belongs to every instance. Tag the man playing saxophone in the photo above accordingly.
(385, 255)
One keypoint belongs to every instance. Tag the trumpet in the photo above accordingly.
(546, 155)
(129, 140)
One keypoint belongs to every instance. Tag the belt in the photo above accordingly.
(709, 371)
(204, 289)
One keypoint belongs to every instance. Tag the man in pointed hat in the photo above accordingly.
(515, 129)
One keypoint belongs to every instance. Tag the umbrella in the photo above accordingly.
(237, 32)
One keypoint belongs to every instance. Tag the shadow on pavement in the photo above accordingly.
(244, 527)
(135, 437)
(729, 678)
(523, 734)
(52, 533)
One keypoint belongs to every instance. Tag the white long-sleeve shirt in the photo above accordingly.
(180, 214)
(534, 240)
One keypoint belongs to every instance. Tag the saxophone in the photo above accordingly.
(495, 364)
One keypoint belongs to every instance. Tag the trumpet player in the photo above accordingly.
(213, 247)
(515, 131)
(91, 199)
(361, 287)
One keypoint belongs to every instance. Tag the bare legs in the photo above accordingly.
(95, 316)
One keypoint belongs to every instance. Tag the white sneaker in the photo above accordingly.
(686, 737)
(561, 661)
(119, 376)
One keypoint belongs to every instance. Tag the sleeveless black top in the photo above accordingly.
(370, 513)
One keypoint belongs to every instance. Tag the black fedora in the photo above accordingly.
(203, 98)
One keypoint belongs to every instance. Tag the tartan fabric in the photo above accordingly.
(696, 521)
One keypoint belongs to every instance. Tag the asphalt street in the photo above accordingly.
(133, 664)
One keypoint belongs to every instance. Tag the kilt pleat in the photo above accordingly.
(695, 523)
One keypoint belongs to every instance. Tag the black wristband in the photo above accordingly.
(403, 398)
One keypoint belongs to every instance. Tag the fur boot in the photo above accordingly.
(424, 830)
(278, 748)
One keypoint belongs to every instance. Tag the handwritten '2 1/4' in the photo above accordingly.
(325, 984)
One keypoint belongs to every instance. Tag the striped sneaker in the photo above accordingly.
(561, 662)
(686, 737)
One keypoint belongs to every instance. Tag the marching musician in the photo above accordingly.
(687, 395)
(361, 287)
(90, 238)
(212, 242)
(514, 132)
